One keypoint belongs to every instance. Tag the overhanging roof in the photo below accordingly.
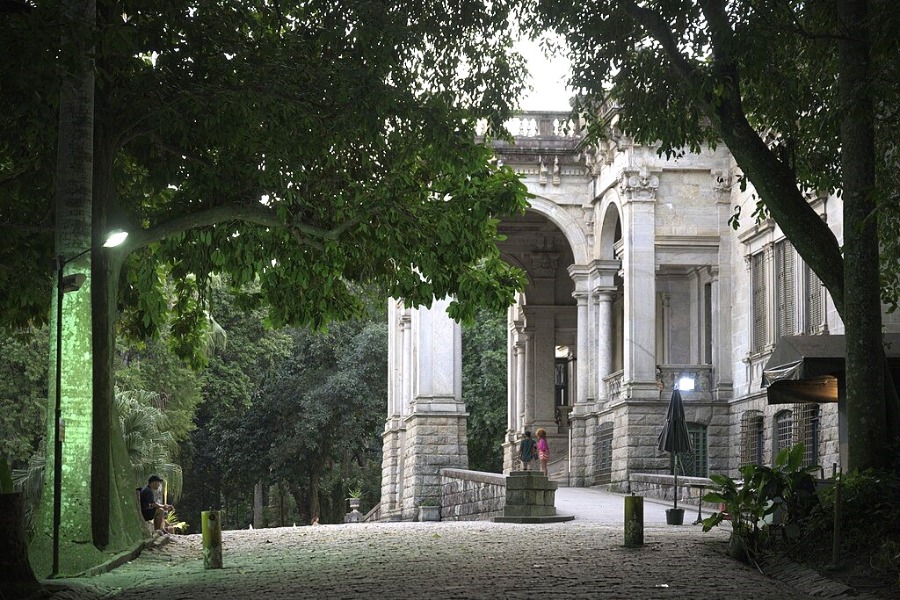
(809, 368)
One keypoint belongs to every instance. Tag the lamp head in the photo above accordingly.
(115, 238)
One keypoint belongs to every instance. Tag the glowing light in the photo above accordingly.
(686, 384)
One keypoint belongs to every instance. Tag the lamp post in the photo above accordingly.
(71, 283)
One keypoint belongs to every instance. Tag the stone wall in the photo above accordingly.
(471, 495)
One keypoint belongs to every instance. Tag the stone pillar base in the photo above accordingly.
(530, 498)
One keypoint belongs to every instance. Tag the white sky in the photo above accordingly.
(547, 77)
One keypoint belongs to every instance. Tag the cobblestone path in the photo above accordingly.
(578, 559)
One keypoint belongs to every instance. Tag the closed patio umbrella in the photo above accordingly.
(674, 436)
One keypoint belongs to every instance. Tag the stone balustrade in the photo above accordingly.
(655, 485)
(471, 495)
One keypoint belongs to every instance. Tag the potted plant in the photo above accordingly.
(355, 498)
(429, 510)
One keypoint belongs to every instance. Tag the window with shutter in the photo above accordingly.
(814, 304)
(758, 279)
(785, 291)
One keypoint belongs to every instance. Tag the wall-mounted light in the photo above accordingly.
(686, 384)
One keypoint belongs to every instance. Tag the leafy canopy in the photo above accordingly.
(306, 145)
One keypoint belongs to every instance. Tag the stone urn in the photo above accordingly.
(354, 503)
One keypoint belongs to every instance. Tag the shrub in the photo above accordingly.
(767, 501)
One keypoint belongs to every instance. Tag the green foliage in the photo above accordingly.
(148, 440)
(6, 483)
(484, 389)
(23, 392)
(766, 500)
(311, 148)
(174, 523)
(154, 367)
(870, 512)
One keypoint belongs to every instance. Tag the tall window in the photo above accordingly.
(708, 323)
(815, 310)
(752, 438)
(694, 463)
(784, 431)
(784, 289)
(808, 433)
(758, 280)
(562, 381)
(604, 458)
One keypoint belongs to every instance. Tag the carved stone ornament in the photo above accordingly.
(640, 185)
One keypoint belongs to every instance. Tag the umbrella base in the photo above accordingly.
(674, 516)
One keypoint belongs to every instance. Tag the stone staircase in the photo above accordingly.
(558, 471)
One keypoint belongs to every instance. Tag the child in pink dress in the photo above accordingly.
(543, 450)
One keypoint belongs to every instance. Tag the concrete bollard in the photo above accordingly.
(634, 521)
(212, 539)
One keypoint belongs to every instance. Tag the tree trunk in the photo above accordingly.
(314, 498)
(258, 505)
(865, 363)
(73, 237)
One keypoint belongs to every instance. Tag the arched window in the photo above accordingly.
(784, 432)
(752, 438)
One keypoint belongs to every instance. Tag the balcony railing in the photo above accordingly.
(540, 125)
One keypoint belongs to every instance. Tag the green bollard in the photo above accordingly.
(634, 521)
(212, 539)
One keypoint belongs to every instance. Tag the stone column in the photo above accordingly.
(605, 339)
(408, 372)
(639, 266)
(521, 375)
(583, 352)
(528, 416)
(544, 369)
(393, 437)
(436, 425)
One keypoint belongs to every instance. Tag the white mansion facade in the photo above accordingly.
(636, 282)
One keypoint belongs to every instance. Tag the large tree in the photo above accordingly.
(791, 87)
(306, 145)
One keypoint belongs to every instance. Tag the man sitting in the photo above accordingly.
(151, 509)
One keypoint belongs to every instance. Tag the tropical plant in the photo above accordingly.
(766, 499)
(149, 442)
(174, 523)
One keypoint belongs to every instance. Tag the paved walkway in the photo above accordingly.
(583, 558)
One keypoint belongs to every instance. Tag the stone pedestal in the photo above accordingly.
(530, 498)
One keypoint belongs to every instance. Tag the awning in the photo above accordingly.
(810, 368)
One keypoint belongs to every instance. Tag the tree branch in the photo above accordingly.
(255, 213)
(773, 180)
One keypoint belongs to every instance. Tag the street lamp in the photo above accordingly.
(70, 283)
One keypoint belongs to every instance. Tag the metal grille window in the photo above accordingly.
(562, 382)
(809, 433)
(815, 310)
(758, 279)
(694, 463)
(752, 438)
(784, 288)
(604, 465)
(784, 431)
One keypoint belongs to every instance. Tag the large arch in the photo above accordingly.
(566, 223)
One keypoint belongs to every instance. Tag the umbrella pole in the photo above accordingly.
(675, 495)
